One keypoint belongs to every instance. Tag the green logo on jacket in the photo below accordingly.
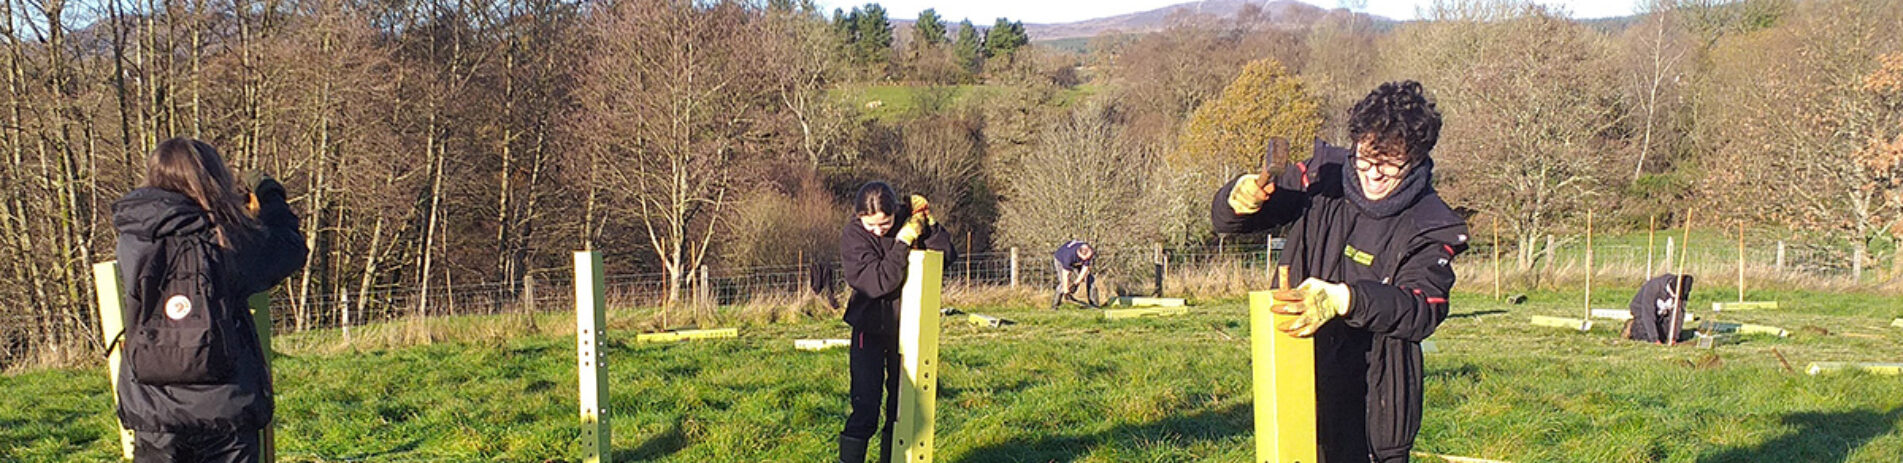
(1358, 256)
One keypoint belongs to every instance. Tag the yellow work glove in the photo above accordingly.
(913, 227)
(921, 207)
(1320, 301)
(1247, 197)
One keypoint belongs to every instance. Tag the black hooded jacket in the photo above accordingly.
(874, 267)
(252, 265)
(1396, 257)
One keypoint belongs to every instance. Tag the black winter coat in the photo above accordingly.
(1371, 359)
(143, 217)
(874, 267)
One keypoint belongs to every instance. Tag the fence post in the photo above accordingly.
(112, 322)
(1780, 258)
(591, 311)
(345, 312)
(1652, 225)
(1162, 265)
(1268, 257)
(260, 305)
(1856, 264)
(1014, 266)
(1496, 259)
(918, 357)
(1740, 261)
(1665, 266)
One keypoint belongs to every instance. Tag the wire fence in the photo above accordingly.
(1131, 268)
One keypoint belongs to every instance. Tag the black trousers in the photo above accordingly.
(158, 447)
(875, 370)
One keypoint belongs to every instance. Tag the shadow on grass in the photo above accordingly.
(405, 447)
(1819, 437)
(1184, 430)
(657, 447)
(1476, 314)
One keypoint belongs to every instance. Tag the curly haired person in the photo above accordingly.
(1372, 245)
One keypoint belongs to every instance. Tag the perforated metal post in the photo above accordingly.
(260, 305)
(590, 317)
(918, 352)
(112, 321)
(1284, 377)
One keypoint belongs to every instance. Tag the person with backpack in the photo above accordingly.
(873, 255)
(1372, 244)
(192, 248)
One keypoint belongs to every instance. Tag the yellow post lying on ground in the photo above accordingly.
(108, 285)
(918, 352)
(1129, 301)
(1118, 314)
(111, 322)
(591, 311)
(1284, 387)
(683, 335)
(1890, 369)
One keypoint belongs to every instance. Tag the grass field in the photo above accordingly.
(892, 103)
(1061, 386)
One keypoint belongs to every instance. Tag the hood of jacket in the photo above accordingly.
(152, 213)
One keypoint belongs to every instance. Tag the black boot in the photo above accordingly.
(852, 450)
(885, 446)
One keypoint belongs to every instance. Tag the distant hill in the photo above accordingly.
(1289, 13)
(1073, 35)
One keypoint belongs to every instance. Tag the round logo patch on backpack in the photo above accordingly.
(178, 307)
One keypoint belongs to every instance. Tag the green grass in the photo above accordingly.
(1058, 386)
(899, 102)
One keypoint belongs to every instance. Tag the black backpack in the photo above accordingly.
(178, 328)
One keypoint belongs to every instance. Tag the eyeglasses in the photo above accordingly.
(1386, 168)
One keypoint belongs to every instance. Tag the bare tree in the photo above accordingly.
(670, 102)
(1534, 103)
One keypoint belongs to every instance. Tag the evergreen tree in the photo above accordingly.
(1004, 38)
(872, 35)
(929, 31)
(969, 47)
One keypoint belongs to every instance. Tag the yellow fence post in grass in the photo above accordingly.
(918, 352)
(260, 305)
(591, 310)
(111, 323)
(1284, 369)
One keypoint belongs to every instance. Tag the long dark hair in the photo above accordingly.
(193, 168)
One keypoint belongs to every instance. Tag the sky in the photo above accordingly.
(984, 12)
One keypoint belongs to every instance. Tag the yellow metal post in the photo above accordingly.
(684, 335)
(1284, 368)
(111, 322)
(918, 352)
(260, 305)
(591, 311)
